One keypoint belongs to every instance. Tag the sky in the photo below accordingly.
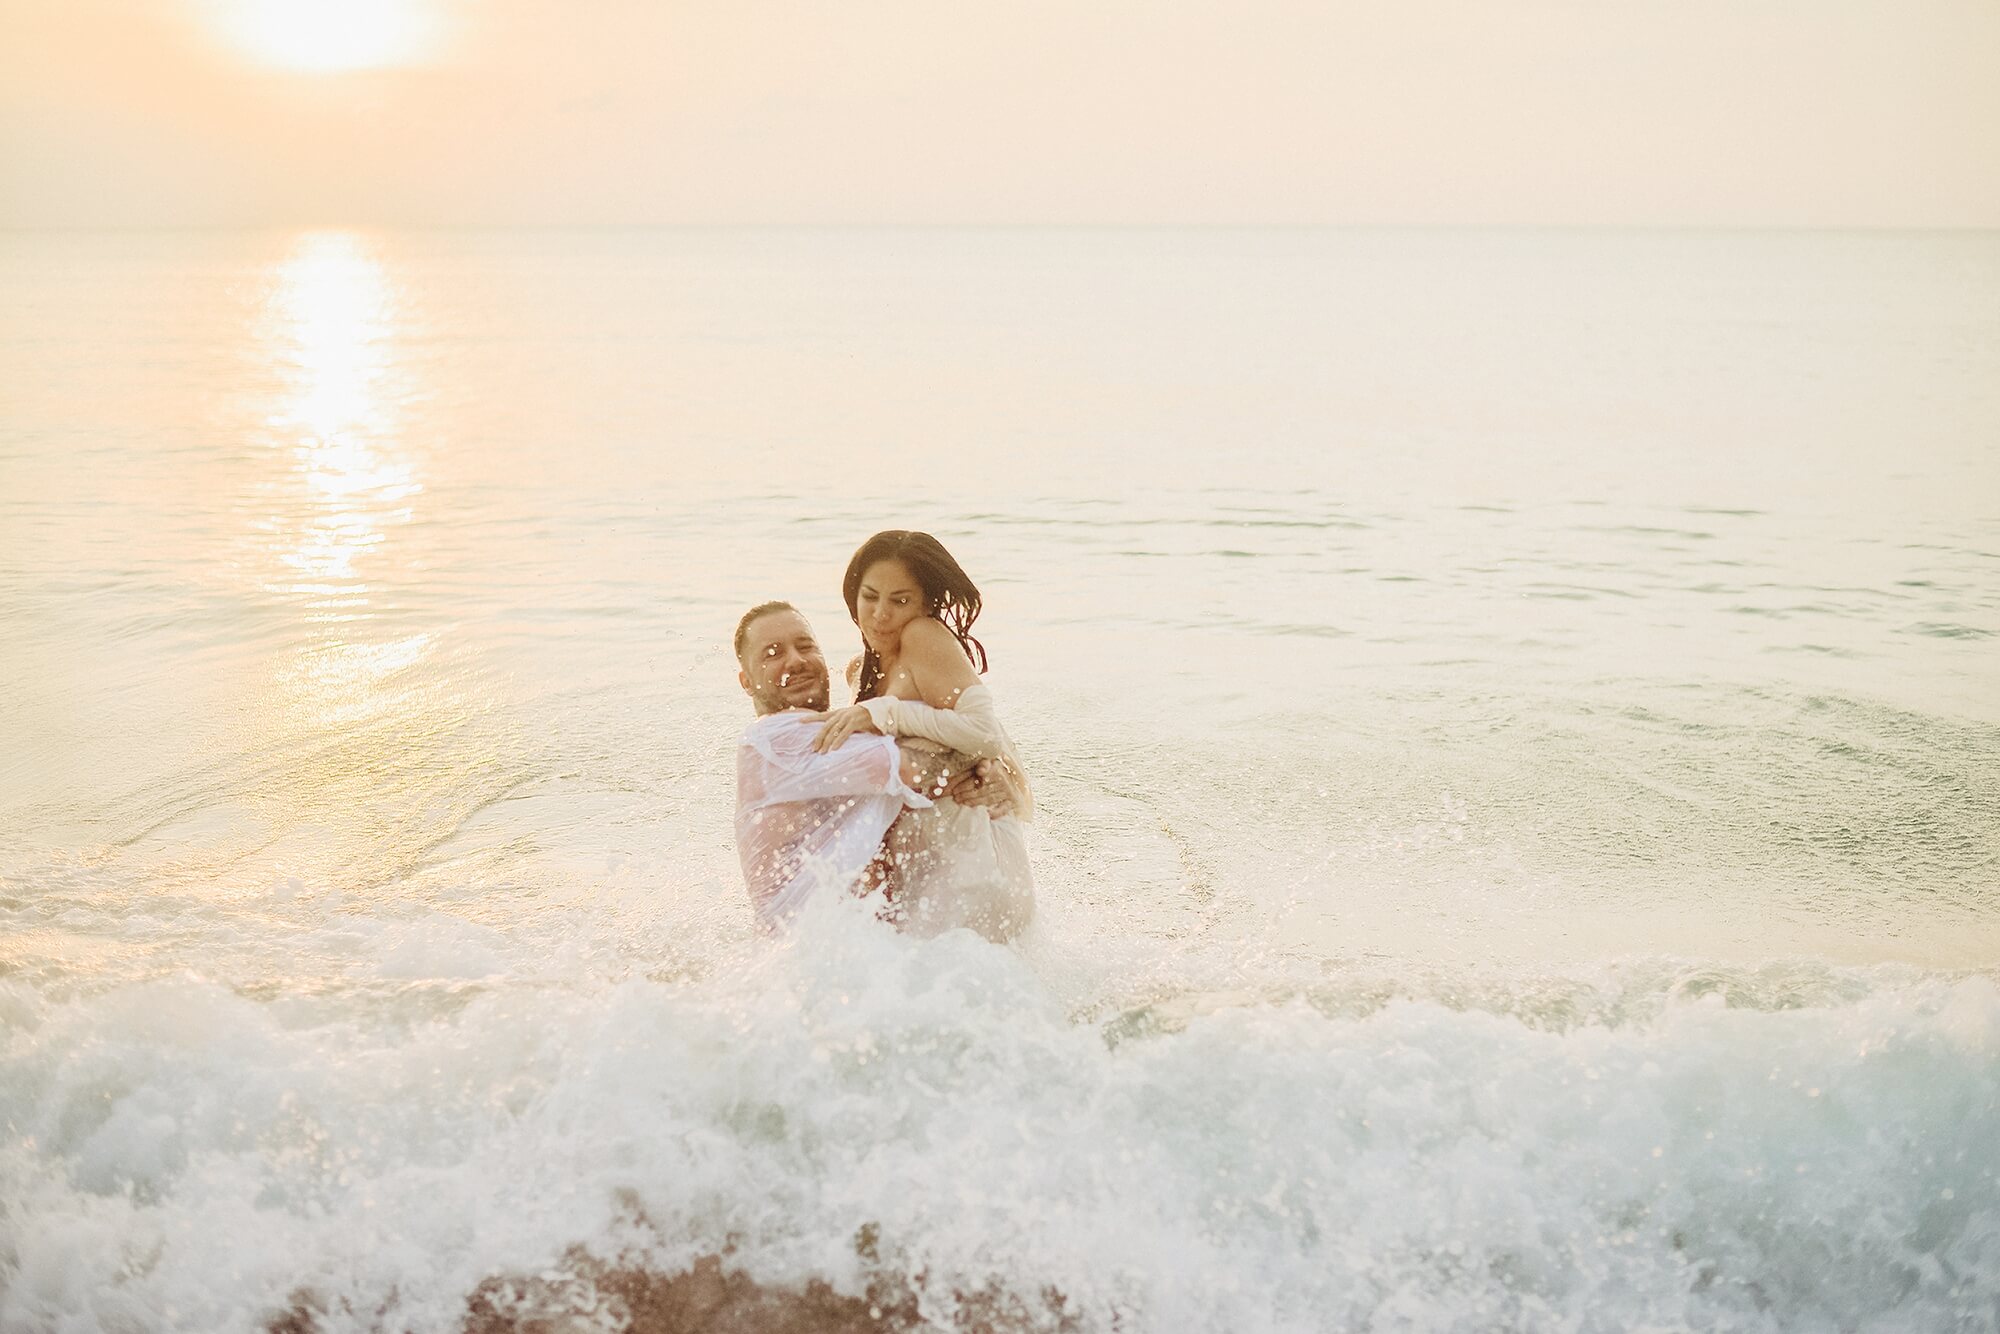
(1817, 113)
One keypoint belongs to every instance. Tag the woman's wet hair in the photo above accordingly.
(950, 597)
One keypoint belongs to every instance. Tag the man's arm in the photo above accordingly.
(777, 763)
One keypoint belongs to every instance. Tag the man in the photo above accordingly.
(808, 822)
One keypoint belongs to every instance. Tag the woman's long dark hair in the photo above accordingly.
(949, 597)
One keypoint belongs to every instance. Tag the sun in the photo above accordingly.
(330, 36)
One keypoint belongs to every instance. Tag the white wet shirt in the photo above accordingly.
(807, 821)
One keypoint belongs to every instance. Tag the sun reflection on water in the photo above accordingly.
(332, 333)
(351, 694)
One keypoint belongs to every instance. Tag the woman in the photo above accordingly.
(919, 678)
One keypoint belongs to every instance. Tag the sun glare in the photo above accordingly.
(328, 36)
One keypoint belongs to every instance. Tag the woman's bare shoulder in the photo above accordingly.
(928, 633)
(929, 643)
(937, 662)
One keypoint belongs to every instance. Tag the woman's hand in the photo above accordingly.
(842, 724)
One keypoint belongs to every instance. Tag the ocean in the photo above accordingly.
(1515, 717)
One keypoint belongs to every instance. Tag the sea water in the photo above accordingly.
(1515, 718)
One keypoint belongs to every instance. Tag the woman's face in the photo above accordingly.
(889, 599)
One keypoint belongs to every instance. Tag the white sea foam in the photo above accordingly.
(1640, 1145)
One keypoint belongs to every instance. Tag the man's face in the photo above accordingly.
(782, 667)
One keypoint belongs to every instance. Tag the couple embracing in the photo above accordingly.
(914, 792)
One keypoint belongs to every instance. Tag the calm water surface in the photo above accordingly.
(1516, 717)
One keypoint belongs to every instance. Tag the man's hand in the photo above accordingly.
(989, 784)
(842, 724)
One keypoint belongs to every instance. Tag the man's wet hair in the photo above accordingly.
(761, 609)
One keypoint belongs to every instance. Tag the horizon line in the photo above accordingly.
(357, 225)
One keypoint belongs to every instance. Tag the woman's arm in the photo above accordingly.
(971, 728)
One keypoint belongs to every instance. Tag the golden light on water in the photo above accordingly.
(355, 689)
(331, 36)
(331, 322)
(332, 330)
(340, 679)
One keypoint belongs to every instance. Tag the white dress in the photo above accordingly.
(958, 865)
